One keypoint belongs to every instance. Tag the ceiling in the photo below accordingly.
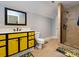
(43, 8)
(68, 4)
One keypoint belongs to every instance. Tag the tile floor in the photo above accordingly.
(49, 50)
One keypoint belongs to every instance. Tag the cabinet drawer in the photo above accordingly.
(31, 33)
(2, 37)
(12, 46)
(22, 34)
(12, 36)
(16, 35)
(31, 37)
(2, 43)
(31, 43)
(2, 51)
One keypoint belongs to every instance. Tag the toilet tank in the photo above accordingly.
(37, 34)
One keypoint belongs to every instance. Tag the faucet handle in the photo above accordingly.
(14, 29)
(19, 29)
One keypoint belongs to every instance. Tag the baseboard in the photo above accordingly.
(50, 38)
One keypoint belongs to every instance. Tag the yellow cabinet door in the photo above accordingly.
(12, 46)
(2, 51)
(31, 43)
(23, 43)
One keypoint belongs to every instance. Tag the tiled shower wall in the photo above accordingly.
(72, 32)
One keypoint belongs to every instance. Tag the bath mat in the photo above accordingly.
(67, 52)
(29, 54)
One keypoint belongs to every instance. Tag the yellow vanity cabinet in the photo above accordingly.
(12, 43)
(12, 46)
(23, 43)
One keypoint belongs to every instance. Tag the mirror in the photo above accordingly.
(14, 17)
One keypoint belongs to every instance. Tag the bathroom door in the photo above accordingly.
(63, 25)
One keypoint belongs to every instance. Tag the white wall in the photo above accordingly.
(54, 27)
(39, 16)
(40, 24)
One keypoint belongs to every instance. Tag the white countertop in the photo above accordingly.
(13, 31)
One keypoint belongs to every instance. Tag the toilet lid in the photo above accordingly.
(41, 41)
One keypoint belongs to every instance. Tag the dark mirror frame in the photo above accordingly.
(6, 19)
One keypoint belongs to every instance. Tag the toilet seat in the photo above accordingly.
(40, 40)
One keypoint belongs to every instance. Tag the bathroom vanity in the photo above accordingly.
(15, 44)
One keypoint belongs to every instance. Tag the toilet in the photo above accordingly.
(39, 40)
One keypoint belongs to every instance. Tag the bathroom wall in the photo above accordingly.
(39, 17)
(54, 32)
(40, 24)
